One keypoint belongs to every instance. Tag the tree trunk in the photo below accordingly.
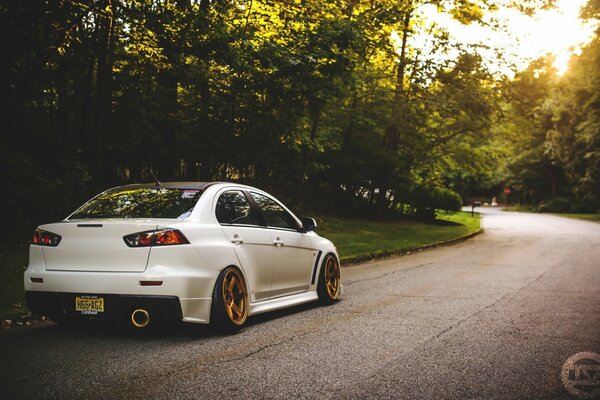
(103, 88)
(83, 140)
(351, 125)
(62, 112)
(167, 82)
(392, 132)
(317, 110)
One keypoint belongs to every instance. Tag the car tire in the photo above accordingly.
(329, 286)
(229, 310)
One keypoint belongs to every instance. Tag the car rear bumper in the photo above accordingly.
(57, 305)
(191, 285)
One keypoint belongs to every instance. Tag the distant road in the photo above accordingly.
(495, 317)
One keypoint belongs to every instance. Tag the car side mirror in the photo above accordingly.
(308, 224)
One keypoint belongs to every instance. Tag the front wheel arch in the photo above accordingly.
(329, 286)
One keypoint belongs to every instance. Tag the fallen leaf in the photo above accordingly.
(6, 323)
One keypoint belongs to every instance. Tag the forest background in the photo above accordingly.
(345, 107)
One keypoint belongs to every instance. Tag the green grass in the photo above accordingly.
(522, 208)
(360, 239)
(354, 238)
(587, 217)
(525, 208)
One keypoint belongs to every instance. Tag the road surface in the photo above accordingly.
(494, 317)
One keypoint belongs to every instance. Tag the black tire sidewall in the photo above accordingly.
(324, 298)
(219, 320)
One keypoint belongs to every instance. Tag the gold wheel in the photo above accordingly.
(234, 296)
(332, 278)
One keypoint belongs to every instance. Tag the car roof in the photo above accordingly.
(170, 185)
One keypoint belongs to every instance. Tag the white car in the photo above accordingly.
(198, 252)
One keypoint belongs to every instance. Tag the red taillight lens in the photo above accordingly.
(169, 237)
(164, 237)
(45, 238)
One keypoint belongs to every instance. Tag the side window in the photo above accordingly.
(273, 213)
(234, 208)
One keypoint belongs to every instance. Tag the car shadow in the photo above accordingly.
(122, 330)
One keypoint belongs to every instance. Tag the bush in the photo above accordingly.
(428, 199)
(436, 198)
(557, 205)
(564, 205)
(583, 208)
(425, 214)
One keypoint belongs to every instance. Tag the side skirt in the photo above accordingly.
(282, 302)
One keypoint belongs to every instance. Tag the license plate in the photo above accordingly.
(89, 305)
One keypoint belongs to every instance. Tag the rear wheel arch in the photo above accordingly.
(230, 300)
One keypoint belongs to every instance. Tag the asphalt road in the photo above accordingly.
(494, 317)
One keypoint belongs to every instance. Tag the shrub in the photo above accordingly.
(436, 198)
(583, 208)
(425, 214)
(428, 199)
(565, 205)
(557, 205)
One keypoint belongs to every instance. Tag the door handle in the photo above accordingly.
(278, 242)
(237, 240)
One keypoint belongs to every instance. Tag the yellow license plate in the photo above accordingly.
(89, 304)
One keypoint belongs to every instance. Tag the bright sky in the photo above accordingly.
(558, 31)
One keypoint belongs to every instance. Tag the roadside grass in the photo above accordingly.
(521, 208)
(587, 217)
(354, 238)
(526, 208)
(360, 239)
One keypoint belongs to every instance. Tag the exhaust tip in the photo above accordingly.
(140, 318)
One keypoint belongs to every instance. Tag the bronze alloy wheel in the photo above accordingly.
(234, 296)
(329, 286)
(332, 278)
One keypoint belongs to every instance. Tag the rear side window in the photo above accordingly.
(234, 208)
(274, 215)
(140, 203)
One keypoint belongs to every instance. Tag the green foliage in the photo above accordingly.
(556, 205)
(309, 99)
(436, 198)
(566, 205)
(553, 129)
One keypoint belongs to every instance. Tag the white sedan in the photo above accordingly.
(198, 252)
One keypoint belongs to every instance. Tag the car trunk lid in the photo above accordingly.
(97, 245)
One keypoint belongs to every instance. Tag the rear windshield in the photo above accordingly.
(140, 203)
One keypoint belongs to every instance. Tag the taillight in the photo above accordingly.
(168, 237)
(141, 239)
(164, 237)
(45, 238)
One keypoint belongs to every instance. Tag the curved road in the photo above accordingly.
(495, 317)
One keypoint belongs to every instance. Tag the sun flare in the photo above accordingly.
(558, 32)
